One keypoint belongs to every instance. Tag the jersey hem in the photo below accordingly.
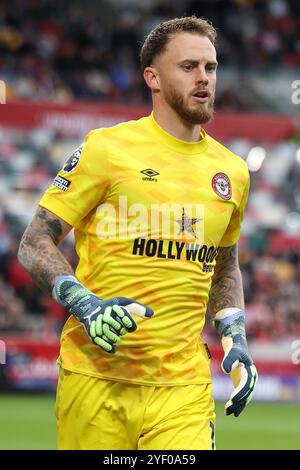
(133, 382)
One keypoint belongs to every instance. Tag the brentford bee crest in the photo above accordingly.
(222, 186)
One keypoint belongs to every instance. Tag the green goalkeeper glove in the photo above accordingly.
(237, 361)
(105, 321)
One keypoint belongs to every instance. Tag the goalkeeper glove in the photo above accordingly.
(230, 325)
(105, 321)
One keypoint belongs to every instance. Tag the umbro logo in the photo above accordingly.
(150, 174)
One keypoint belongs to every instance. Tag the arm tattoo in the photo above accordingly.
(38, 252)
(227, 287)
(54, 228)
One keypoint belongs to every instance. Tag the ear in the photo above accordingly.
(151, 78)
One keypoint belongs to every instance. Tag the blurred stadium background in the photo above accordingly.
(73, 67)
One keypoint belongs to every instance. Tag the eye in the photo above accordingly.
(211, 68)
(188, 67)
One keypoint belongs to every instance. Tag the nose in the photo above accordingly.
(201, 76)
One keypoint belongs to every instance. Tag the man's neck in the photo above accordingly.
(173, 125)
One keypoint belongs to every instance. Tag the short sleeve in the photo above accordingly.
(232, 233)
(81, 184)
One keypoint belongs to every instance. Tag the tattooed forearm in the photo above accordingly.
(38, 252)
(227, 287)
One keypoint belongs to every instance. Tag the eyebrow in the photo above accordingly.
(196, 62)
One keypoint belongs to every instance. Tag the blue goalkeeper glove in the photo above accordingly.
(105, 321)
(237, 361)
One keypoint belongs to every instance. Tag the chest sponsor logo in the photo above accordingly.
(171, 249)
(188, 224)
(222, 186)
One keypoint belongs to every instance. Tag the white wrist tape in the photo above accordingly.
(227, 312)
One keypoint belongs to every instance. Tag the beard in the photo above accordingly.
(198, 115)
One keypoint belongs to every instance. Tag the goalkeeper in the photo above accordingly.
(134, 370)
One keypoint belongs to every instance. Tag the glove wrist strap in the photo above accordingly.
(57, 292)
(230, 324)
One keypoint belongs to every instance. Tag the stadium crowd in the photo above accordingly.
(74, 52)
(269, 247)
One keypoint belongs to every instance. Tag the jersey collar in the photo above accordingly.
(180, 146)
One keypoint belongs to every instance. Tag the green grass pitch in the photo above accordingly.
(27, 422)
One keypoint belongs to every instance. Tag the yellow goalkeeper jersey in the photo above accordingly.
(149, 213)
